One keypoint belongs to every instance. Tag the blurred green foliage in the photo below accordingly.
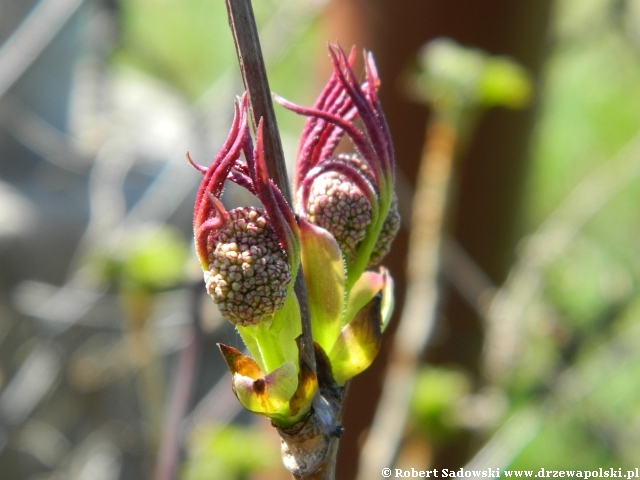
(589, 314)
(589, 104)
(438, 392)
(457, 80)
(188, 44)
(231, 453)
(152, 259)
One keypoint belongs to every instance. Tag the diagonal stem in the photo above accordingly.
(254, 75)
(169, 453)
(309, 448)
(419, 313)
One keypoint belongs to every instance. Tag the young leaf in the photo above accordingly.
(323, 269)
(358, 343)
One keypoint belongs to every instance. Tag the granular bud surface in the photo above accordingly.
(248, 271)
(339, 206)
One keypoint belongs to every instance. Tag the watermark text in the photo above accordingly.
(497, 473)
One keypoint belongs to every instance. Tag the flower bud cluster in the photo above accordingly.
(351, 196)
(346, 218)
(248, 271)
(339, 206)
(250, 257)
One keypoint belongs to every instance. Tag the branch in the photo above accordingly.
(419, 312)
(169, 453)
(309, 449)
(254, 75)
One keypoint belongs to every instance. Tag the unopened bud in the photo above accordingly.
(339, 206)
(248, 270)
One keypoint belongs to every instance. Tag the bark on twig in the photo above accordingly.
(310, 449)
(254, 76)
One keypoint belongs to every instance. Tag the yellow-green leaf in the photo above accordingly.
(358, 343)
(324, 275)
(367, 286)
(307, 386)
(259, 393)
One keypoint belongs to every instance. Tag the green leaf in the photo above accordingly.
(273, 342)
(268, 342)
(358, 343)
(324, 275)
(367, 286)
(247, 335)
(259, 393)
(288, 319)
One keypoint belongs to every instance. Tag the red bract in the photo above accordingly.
(369, 173)
(249, 256)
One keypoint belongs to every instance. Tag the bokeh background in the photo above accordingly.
(108, 364)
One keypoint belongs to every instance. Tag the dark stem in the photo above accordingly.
(308, 448)
(254, 75)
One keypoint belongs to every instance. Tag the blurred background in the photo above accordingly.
(108, 364)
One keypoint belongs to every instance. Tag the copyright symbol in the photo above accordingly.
(386, 472)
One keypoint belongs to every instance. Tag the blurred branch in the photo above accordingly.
(219, 406)
(31, 38)
(33, 380)
(35, 133)
(459, 84)
(181, 390)
(466, 276)
(420, 308)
